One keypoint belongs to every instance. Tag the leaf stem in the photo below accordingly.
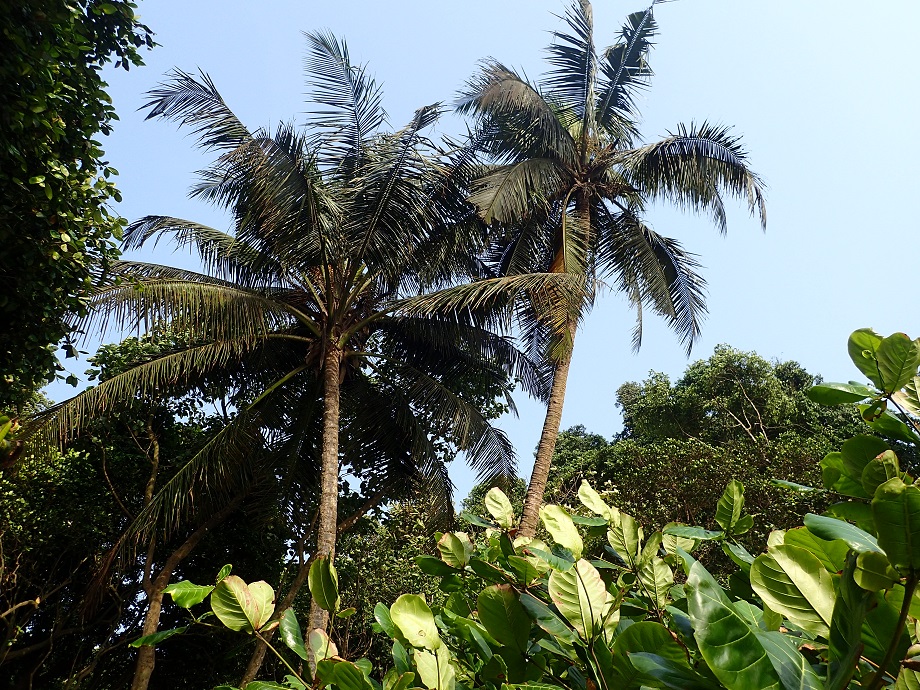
(909, 586)
(283, 660)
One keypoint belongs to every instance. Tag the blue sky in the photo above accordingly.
(824, 93)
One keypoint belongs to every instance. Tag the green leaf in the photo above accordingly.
(656, 579)
(435, 669)
(793, 582)
(546, 619)
(323, 581)
(349, 676)
(879, 470)
(874, 572)
(580, 596)
(898, 358)
(862, 347)
(382, 616)
(412, 616)
(347, 613)
(476, 520)
(291, 633)
(240, 606)
(223, 573)
(456, 548)
(556, 562)
(487, 571)
(186, 594)
(625, 538)
(526, 571)
(730, 505)
(740, 555)
(793, 669)
(648, 637)
(845, 639)
(839, 393)
(832, 554)
(322, 647)
(896, 508)
(908, 679)
(397, 681)
(891, 426)
(157, 637)
(504, 617)
(688, 532)
(499, 508)
(592, 500)
(726, 641)
(831, 528)
(265, 685)
(668, 673)
(434, 566)
(563, 530)
(858, 452)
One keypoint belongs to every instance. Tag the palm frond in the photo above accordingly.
(625, 73)
(514, 192)
(197, 103)
(349, 99)
(517, 122)
(572, 82)
(692, 167)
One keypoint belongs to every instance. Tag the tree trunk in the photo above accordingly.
(329, 483)
(531, 512)
(146, 655)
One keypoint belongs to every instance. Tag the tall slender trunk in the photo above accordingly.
(531, 512)
(146, 655)
(329, 482)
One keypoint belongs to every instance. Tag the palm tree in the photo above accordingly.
(569, 181)
(308, 311)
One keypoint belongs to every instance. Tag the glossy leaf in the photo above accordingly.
(669, 674)
(433, 566)
(845, 642)
(832, 554)
(831, 528)
(240, 606)
(656, 579)
(435, 669)
(291, 633)
(648, 637)
(322, 647)
(874, 572)
(456, 548)
(592, 500)
(563, 530)
(349, 676)
(186, 594)
(687, 532)
(157, 637)
(625, 538)
(323, 581)
(726, 641)
(412, 616)
(794, 583)
(896, 508)
(891, 426)
(580, 596)
(730, 505)
(503, 616)
(862, 347)
(546, 619)
(499, 508)
(898, 358)
(790, 665)
(839, 393)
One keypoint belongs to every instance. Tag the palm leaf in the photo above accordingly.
(512, 193)
(572, 81)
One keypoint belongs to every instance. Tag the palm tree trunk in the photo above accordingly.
(329, 481)
(531, 511)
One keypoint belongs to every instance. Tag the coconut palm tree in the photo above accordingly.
(308, 310)
(569, 181)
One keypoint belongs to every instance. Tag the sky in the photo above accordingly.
(823, 92)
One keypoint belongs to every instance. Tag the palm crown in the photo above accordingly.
(568, 183)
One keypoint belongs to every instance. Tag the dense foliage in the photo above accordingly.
(56, 228)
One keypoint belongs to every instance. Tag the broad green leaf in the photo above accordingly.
(476, 520)
(503, 616)
(291, 634)
(240, 606)
(591, 500)
(668, 673)
(435, 669)
(898, 358)
(523, 545)
(265, 685)
(625, 538)
(793, 669)
(856, 512)
(580, 596)
(832, 554)
(648, 637)
(397, 681)
(687, 532)
(551, 559)
(862, 346)
(908, 679)
(836, 477)
(831, 528)
(322, 647)
(546, 619)
(740, 555)
(656, 579)
(651, 548)
(730, 505)
(891, 426)
(400, 658)
(223, 573)
(878, 630)
(499, 508)
(874, 572)
(412, 616)
(293, 683)
(726, 641)
(349, 676)
(456, 548)
(382, 616)
(323, 581)
(845, 639)
(526, 571)
(839, 393)
(434, 566)
(157, 637)
(563, 530)
(186, 594)
(896, 508)
(858, 452)
(671, 542)
(743, 525)
(793, 582)
(487, 571)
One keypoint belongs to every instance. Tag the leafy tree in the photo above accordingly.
(569, 185)
(56, 228)
(732, 416)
